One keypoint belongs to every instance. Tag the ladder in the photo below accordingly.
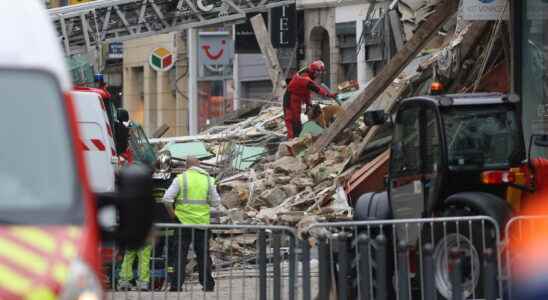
(83, 27)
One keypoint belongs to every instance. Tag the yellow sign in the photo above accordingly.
(72, 2)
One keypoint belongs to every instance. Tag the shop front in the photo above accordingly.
(530, 75)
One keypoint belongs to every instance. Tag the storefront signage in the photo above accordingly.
(485, 9)
(162, 60)
(215, 48)
(116, 50)
(284, 26)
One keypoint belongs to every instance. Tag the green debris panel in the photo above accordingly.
(183, 150)
(311, 128)
(81, 70)
(246, 156)
(342, 97)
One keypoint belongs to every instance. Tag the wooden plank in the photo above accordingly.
(369, 178)
(396, 27)
(426, 31)
(160, 131)
(272, 63)
(469, 40)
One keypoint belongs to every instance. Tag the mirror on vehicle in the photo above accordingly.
(125, 216)
(374, 117)
(541, 140)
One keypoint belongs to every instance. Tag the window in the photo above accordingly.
(534, 62)
(481, 137)
(406, 146)
(37, 166)
(432, 155)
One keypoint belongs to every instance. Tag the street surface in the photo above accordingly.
(237, 285)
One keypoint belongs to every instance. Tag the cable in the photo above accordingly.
(490, 45)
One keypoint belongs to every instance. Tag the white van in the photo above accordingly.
(96, 140)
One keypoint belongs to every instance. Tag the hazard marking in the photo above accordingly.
(93, 145)
(84, 146)
(98, 144)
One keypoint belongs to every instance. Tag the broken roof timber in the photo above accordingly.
(426, 31)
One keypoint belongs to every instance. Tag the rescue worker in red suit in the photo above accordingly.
(298, 92)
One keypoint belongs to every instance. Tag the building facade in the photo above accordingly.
(156, 97)
(530, 71)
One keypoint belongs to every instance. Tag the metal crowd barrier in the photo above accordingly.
(516, 232)
(247, 262)
(445, 258)
(427, 259)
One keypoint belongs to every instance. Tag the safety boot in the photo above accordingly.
(124, 285)
(142, 285)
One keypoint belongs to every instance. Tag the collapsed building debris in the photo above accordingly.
(292, 182)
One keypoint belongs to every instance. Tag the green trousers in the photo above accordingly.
(143, 256)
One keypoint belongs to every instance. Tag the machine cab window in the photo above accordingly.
(406, 146)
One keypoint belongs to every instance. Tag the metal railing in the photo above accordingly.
(241, 262)
(442, 258)
(445, 258)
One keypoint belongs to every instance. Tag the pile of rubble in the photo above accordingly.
(288, 184)
(295, 186)
(291, 184)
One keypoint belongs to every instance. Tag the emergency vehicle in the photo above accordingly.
(97, 140)
(51, 224)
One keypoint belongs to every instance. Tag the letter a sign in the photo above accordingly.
(284, 26)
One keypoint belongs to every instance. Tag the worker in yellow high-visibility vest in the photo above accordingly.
(193, 192)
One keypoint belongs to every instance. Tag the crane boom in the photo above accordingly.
(83, 26)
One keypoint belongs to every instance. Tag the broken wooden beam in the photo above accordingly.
(160, 131)
(272, 63)
(426, 31)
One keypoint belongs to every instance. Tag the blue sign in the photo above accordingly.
(116, 50)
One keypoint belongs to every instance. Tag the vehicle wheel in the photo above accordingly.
(472, 242)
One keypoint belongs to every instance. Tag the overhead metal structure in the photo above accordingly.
(82, 27)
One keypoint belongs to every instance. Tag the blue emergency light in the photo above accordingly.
(99, 77)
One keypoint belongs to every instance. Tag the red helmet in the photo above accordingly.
(316, 67)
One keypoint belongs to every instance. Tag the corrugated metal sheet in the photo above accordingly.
(252, 67)
(312, 128)
(183, 150)
(257, 89)
(247, 156)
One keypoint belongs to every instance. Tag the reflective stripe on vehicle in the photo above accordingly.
(22, 257)
(35, 237)
(13, 282)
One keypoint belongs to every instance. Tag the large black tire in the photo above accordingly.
(472, 239)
